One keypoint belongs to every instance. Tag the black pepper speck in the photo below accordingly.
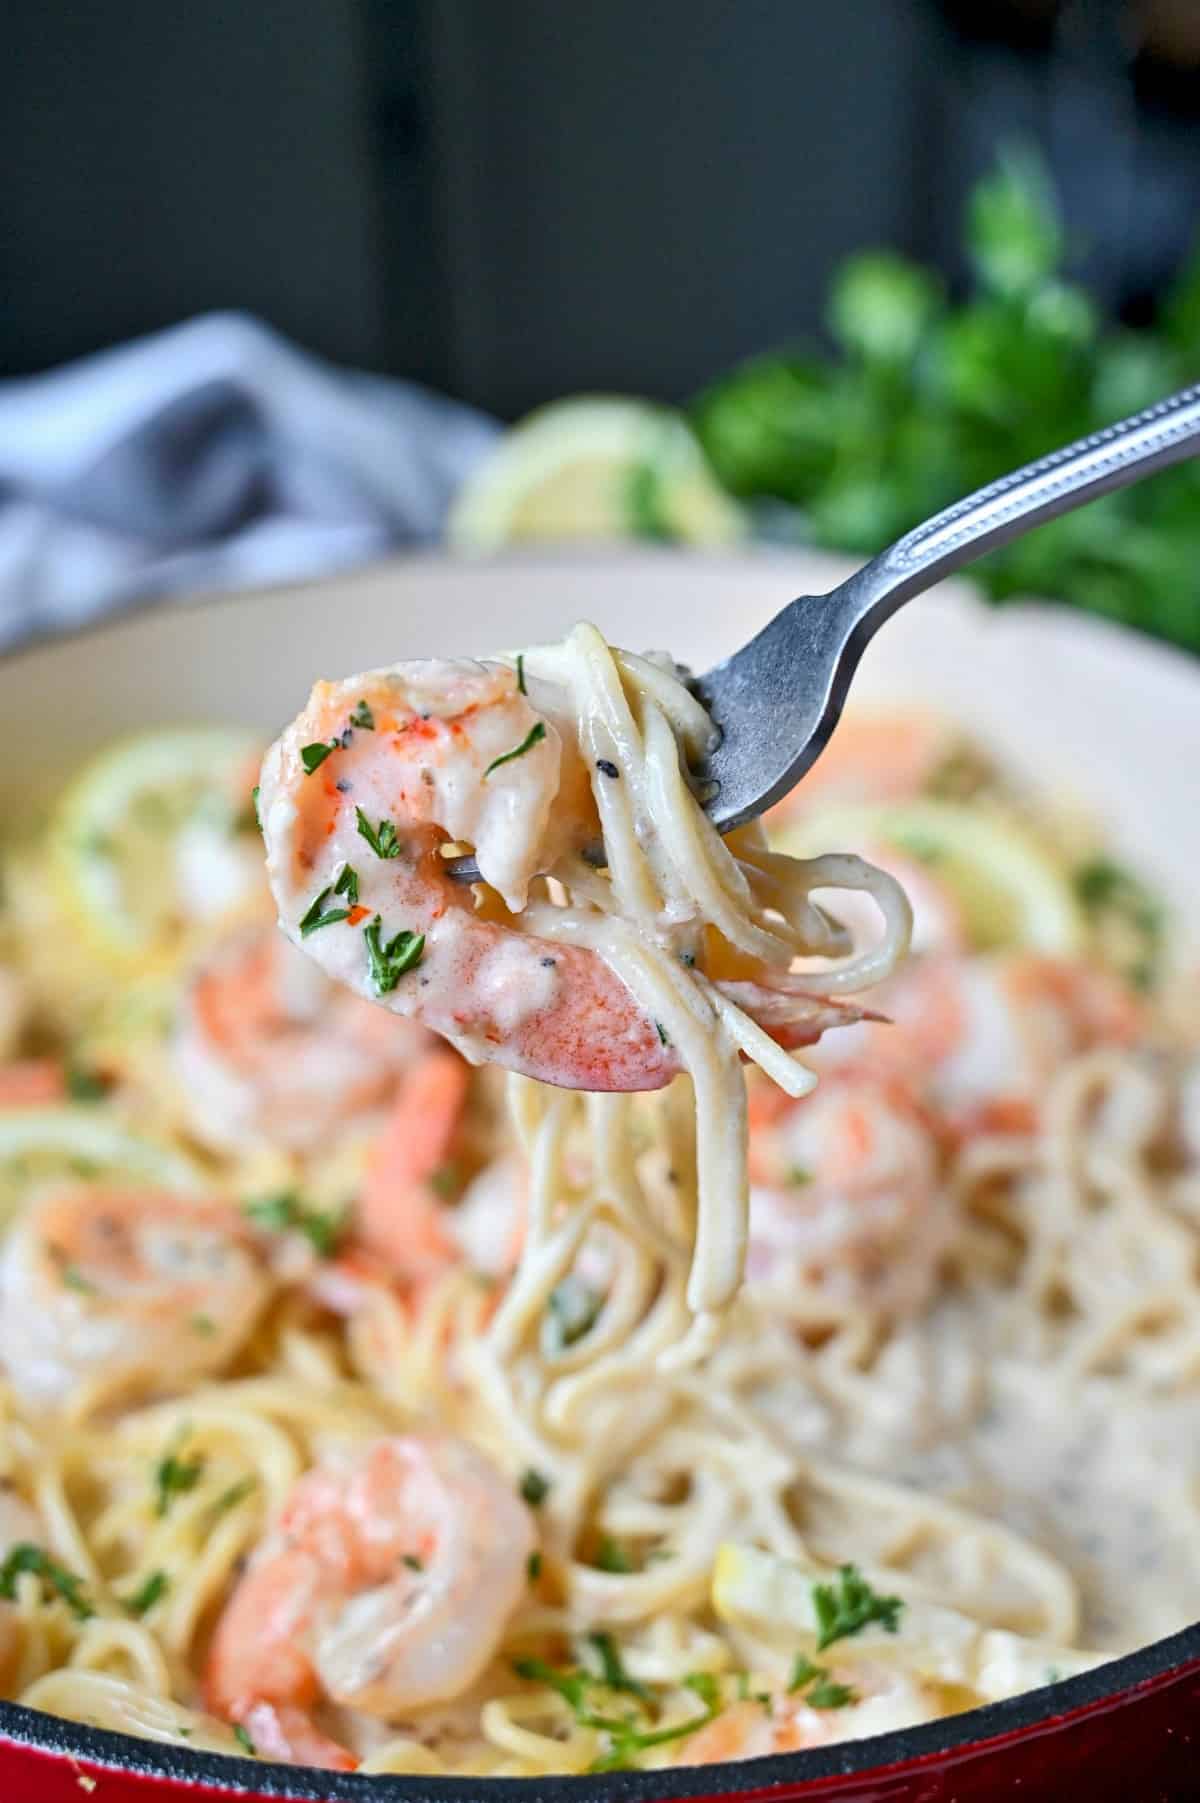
(606, 767)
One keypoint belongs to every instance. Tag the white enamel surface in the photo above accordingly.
(1076, 705)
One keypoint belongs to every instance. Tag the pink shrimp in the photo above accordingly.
(386, 1585)
(872, 1699)
(399, 1216)
(880, 755)
(32, 1083)
(269, 1052)
(133, 1289)
(844, 1193)
(362, 793)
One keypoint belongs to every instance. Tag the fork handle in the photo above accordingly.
(1112, 458)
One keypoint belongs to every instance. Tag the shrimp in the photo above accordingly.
(845, 1194)
(882, 755)
(399, 1217)
(124, 1290)
(361, 795)
(268, 1052)
(32, 1083)
(386, 1585)
(781, 1721)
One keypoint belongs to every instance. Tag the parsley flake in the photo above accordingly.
(413, 1561)
(573, 1308)
(533, 737)
(362, 716)
(25, 1556)
(382, 838)
(243, 1740)
(287, 1212)
(389, 960)
(174, 1476)
(319, 915)
(848, 1604)
(313, 756)
(533, 1566)
(347, 884)
(84, 1085)
(521, 673)
(534, 1488)
(151, 1592)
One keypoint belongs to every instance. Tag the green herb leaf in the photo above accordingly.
(803, 1672)
(313, 756)
(382, 838)
(848, 1604)
(84, 1085)
(244, 1741)
(825, 1694)
(533, 1566)
(389, 961)
(662, 1032)
(612, 1668)
(534, 1488)
(573, 1309)
(203, 1324)
(362, 716)
(414, 1562)
(521, 673)
(25, 1556)
(74, 1279)
(612, 1556)
(175, 1476)
(319, 916)
(236, 1493)
(347, 884)
(151, 1592)
(532, 737)
(799, 1175)
(287, 1212)
(254, 805)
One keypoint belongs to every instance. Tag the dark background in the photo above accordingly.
(513, 198)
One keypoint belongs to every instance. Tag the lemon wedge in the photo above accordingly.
(776, 1599)
(594, 467)
(1010, 889)
(129, 836)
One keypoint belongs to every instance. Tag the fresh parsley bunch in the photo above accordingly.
(928, 398)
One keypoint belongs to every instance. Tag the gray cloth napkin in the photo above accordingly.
(212, 455)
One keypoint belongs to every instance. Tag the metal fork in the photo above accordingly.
(777, 700)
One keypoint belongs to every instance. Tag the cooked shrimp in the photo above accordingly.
(123, 1289)
(881, 755)
(386, 1585)
(269, 1052)
(32, 1083)
(399, 1215)
(879, 1698)
(455, 752)
(986, 1033)
(845, 1196)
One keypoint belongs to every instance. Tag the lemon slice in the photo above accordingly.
(41, 1145)
(141, 824)
(594, 467)
(1007, 883)
(776, 1599)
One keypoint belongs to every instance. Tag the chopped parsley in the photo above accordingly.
(25, 1556)
(848, 1604)
(612, 1668)
(612, 1556)
(627, 1735)
(236, 1493)
(362, 716)
(521, 673)
(413, 1561)
(203, 1324)
(382, 838)
(534, 1488)
(446, 1181)
(1112, 896)
(389, 960)
(799, 1175)
(319, 915)
(819, 1689)
(533, 737)
(174, 1476)
(287, 1212)
(573, 1308)
(151, 1592)
(74, 1279)
(254, 805)
(84, 1085)
(533, 1566)
(313, 756)
(347, 884)
(662, 1032)
(243, 1740)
